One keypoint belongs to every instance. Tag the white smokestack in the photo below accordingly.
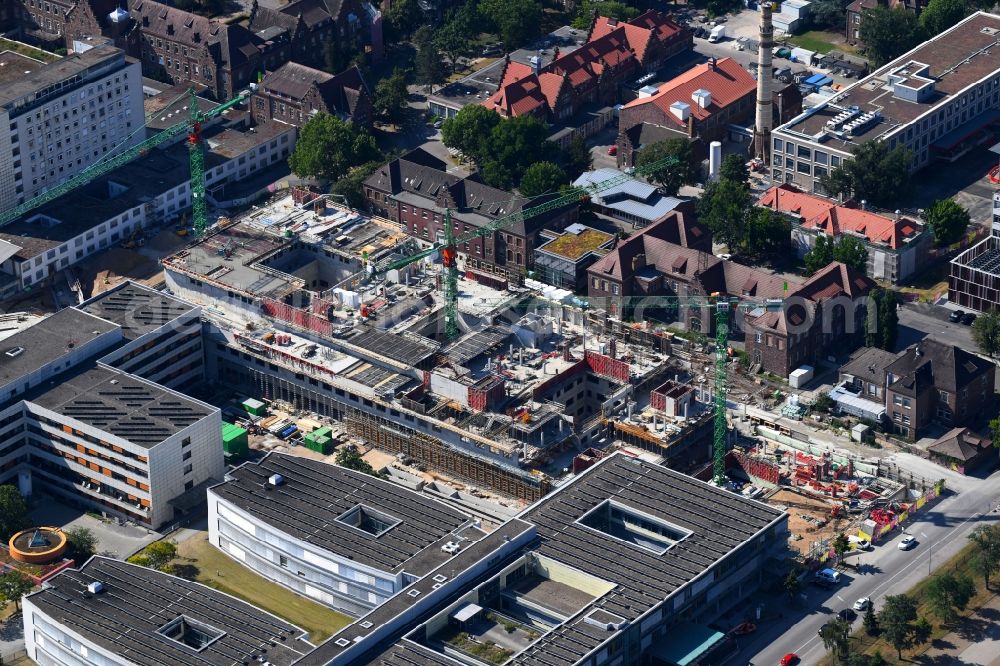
(764, 119)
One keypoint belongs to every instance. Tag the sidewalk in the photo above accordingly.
(976, 641)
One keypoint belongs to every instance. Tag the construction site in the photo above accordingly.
(300, 321)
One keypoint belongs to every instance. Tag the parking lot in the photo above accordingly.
(920, 320)
(114, 540)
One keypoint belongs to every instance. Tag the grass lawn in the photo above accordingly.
(226, 575)
(928, 283)
(23, 49)
(820, 42)
(961, 564)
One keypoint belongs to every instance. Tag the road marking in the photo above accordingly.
(808, 645)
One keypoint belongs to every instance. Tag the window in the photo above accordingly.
(805, 153)
(187, 469)
(186, 456)
(778, 145)
(943, 396)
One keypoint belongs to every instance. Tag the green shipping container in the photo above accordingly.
(322, 444)
(255, 407)
(234, 440)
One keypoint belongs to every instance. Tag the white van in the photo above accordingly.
(828, 577)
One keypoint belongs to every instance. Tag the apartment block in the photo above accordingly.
(939, 101)
(60, 118)
(975, 273)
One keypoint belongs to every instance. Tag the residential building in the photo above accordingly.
(149, 617)
(617, 530)
(615, 52)
(93, 433)
(62, 117)
(376, 537)
(312, 27)
(700, 103)
(897, 246)
(177, 47)
(938, 100)
(562, 261)
(822, 316)
(641, 204)
(975, 273)
(143, 194)
(54, 24)
(294, 93)
(934, 382)
(856, 10)
(654, 263)
(416, 190)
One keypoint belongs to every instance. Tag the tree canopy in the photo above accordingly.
(348, 456)
(156, 555)
(828, 14)
(610, 8)
(669, 178)
(452, 38)
(986, 333)
(767, 235)
(82, 540)
(888, 33)
(987, 557)
(402, 18)
(541, 177)
(13, 512)
(469, 130)
(834, 634)
(351, 186)
(390, 96)
(947, 594)
(514, 144)
(947, 220)
(734, 168)
(13, 586)
(896, 619)
(328, 147)
(939, 15)
(576, 158)
(429, 68)
(725, 208)
(517, 21)
(848, 250)
(877, 175)
(882, 325)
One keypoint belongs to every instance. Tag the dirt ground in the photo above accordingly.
(808, 518)
(107, 269)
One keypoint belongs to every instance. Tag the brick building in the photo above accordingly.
(824, 314)
(311, 25)
(615, 52)
(416, 189)
(700, 103)
(55, 24)
(293, 93)
(856, 10)
(897, 246)
(180, 47)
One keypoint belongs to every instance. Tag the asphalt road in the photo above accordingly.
(917, 321)
(941, 532)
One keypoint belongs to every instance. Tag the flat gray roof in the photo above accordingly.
(314, 494)
(125, 618)
(138, 411)
(47, 340)
(136, 308)
(56, 76)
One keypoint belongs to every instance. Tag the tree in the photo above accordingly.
(766, 236)
(841, 544)
(876, 175)
(352, 186)
(348, 456)
(947, 220)
(609, 8)
(943, 14)
(820, 255)
(390, 96)
(828, 14)
(160, 552)
(987, 558)
(513, 145)
(995, 430)
(402, 18)
(576, 158)
(518, 21)
(897, 619)
(469, 130)
(823, 402)
(13, 512)
(670, 177)
(82, 540)
(328, 146)
(541, 177)
(852, 252)
(13, 586)
(734, 168)
(429, 68)
(834, 635)
(922, 631)
(888, 33)
(792, 584)
(870, 622)
(986, 333)
(725, 208)
(947, 594)
(882, 324)
(452, 38)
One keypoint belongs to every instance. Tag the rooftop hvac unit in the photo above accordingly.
(95, 587)
(843, 117)
(276, 480)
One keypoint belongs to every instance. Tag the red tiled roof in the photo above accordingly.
(726, 80)
(834, 219)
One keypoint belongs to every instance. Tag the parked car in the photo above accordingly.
(956, 316)
(859, 544)
(847, 614)
(612, 150)
(790, 659)
(908, 542)
(862, 604)
(968, 318)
